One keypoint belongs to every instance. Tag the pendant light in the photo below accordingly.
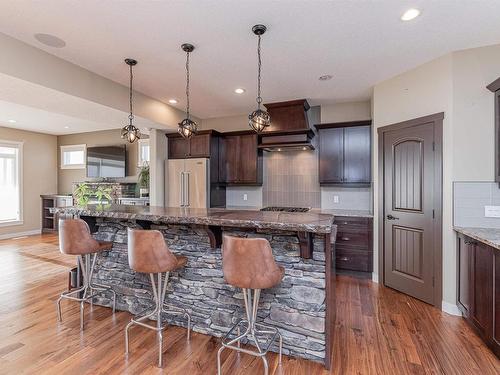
(259, 119)
(187, 127)
(130, 132)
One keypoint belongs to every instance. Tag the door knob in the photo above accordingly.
(390, 217)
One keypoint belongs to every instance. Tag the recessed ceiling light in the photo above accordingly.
(173, 101)
(50, 40)
(326, 77)
(12, 121)
(66, 127)
(410, 14)
(239, 90)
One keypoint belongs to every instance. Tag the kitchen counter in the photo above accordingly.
(311, 222)
(344, 212)
(302, 306)
(488, 236)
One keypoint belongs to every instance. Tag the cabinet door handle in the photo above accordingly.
(345, 238)
(344, 259)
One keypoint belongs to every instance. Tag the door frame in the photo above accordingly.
(437, 120)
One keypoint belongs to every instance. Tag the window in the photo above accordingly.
(73, 157)
(143, 152)
(10, 182)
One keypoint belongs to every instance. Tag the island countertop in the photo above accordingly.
(305, 222)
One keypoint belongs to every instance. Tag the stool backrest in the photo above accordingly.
(75, 237)
(249, 263)
(148, 252)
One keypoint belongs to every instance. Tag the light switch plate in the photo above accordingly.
(335, 199)
(492, 211)
(245, 197)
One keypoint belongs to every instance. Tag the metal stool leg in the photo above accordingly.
(159, 293)
(251, 333)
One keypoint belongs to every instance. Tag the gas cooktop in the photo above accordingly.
(286, 209)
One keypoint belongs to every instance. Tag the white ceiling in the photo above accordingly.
(360, 43)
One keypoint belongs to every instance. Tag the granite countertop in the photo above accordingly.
(313, 222)
(488, 236)
(344, 212)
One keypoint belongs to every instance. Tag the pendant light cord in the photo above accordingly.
(187, 85)
(131, 116)
(259, 98)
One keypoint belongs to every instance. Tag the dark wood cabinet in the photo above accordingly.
(353, 245)
(345, 153)
(241, 159)
(50, 222)
(478, 292)
(199, 146)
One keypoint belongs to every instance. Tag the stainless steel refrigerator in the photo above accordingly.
(186, 182)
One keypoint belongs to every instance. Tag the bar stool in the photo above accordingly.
(248, 263)
(148, 253)
(75, 239)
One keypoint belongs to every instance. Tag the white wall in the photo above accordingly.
(340, 112)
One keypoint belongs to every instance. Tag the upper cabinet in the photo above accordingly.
(495, 88)
(240, 160)
(345, 153)
(199, 146)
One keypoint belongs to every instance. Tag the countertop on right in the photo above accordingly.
(488, 236)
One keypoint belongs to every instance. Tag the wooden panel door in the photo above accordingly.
(482, 289)
(408, 208)
(199, 146)
(357, 151)
(465, 254)
(232, 158)
(331, 159)
(248, 159)
(178, 148)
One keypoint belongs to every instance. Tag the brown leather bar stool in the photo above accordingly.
(75, 239)
(148, 253)
(248, 263)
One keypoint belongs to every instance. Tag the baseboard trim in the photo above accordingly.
(450, 308)
(375, 277)
(20, 234)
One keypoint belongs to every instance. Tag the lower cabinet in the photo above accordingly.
(353, 246)
(478, 294)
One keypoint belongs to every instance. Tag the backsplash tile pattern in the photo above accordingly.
(291, 179)
(469, 199)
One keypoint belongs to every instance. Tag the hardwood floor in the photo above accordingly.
(378, 331)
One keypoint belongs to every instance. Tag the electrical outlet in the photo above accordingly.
(245, 197)
(491, 211)
(335, 199)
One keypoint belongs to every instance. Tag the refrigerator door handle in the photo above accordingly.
(182, 189)
(187, 189)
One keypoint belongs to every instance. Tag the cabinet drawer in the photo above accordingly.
(353, 238)
(355, 260)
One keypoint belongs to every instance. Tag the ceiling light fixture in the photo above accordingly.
(173, 101)
(66, 127)
(130, 132)
(239, 90)
(259, 119)
(325, 77)
(410, 14)
(187, 127)
(50, 40)
(12, 121)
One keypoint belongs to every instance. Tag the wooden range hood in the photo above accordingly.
(289, 129)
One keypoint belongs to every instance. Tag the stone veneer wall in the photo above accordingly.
(297, 306)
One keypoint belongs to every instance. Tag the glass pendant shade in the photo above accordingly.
(259, 120)
(187, 128)
(131, 133)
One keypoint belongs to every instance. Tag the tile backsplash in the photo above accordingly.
(291, 179)
(469, 200)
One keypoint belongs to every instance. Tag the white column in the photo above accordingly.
(158, 155)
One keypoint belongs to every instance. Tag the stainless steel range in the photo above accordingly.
(286, 209)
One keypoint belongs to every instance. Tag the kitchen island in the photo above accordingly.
(302, 306)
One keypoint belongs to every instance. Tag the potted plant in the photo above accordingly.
(143, 181)
(82, 194)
